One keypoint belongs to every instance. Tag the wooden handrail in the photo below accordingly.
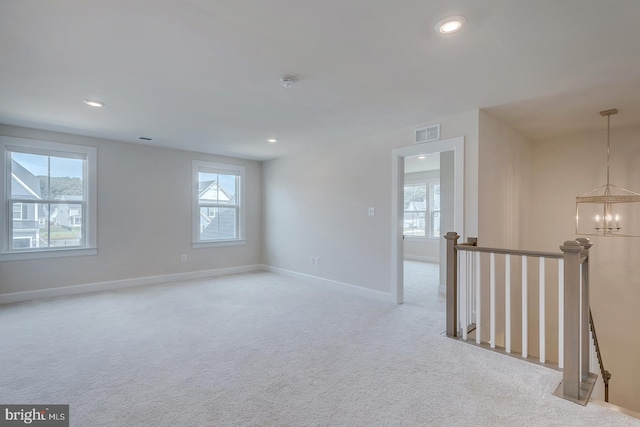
(606, 375)
(518, 252)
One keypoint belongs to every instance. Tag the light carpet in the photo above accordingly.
(263, 349)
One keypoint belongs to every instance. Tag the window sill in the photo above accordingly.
(196, 245)
(43, 254)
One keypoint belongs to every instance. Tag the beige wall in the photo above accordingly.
(315, 204)
(144, 219)
(504, 178)
(503, 207)
(562, 169)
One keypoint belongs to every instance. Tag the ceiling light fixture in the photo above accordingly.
(94, 103)
(422, 157)
(612, 202)
(287, 81)
(450, 24)
(272, 140)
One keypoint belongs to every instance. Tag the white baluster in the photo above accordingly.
(492, 301)
(507, 302)
(478, 302)
(541, 317)
(472, 286)
(560, 313)
(464, 287)
(525, 326)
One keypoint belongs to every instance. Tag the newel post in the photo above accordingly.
(571, 372)
(585, 244)
(452, 280)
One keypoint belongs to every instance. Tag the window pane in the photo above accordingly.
(414, 194)
(25, 227)
(435, 224)
(65, 226)
(414, 224)
(44, 225)
(66, 178)
(227, 189)
(218, 223)
(33, 173)
(435, 203)
(217, 188)
(29, 175)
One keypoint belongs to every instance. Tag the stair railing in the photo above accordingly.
(606, 375)
(465, 305)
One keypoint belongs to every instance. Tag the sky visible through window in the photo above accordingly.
(60, 166)
(226, 182)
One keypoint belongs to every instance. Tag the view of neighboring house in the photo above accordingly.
(28, 218)
(216, 222)
(414, 218)
(67, 215)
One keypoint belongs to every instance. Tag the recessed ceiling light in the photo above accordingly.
(272, 140)
(94, 103)
(422, 157)
(450, 24)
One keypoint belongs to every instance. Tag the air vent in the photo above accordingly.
(429, 133)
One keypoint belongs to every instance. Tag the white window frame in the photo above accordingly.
(223, 169)
(23, 145)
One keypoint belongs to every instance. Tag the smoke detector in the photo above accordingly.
(287, 81)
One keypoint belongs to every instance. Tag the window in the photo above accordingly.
(415, 208)
(422, 209)
(218, 207)
(50, 190)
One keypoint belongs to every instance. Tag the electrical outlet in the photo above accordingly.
(183, 257)
(315, 260)
(312, 260)
(371, 211)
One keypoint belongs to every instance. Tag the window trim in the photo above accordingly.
(13, 144)
(225, 169)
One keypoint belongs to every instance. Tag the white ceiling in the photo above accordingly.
(203, 75)
(422, 163)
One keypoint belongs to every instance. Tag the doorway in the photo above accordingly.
(451, 153)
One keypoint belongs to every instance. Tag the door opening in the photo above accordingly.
(420, 219)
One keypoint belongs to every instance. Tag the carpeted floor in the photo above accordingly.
(267, 350)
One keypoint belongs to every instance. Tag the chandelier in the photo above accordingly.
(605, 208)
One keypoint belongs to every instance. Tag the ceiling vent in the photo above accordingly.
(427, 134)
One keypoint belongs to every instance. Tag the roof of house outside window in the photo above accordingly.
(23, 183)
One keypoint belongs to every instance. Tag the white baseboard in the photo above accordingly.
(422, 258)
(333, 284)
(154, 280)
(125, 283)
